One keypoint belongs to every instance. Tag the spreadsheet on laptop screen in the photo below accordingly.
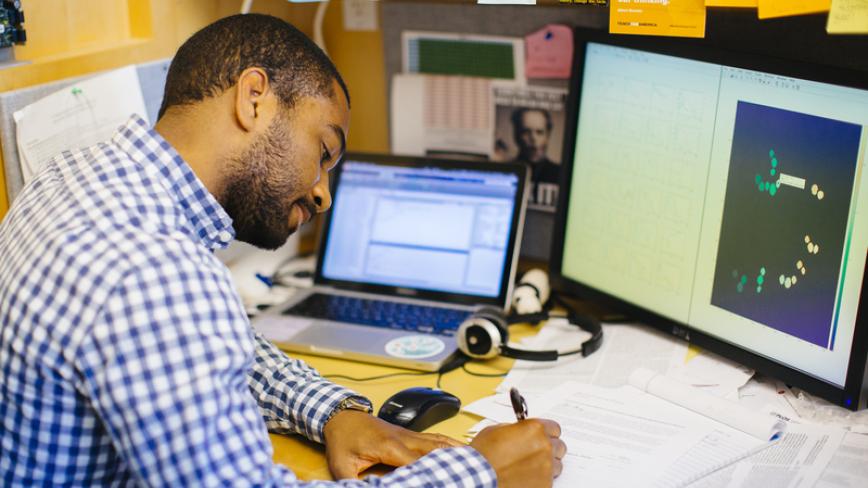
(425, 228)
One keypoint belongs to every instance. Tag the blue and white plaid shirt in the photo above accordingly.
(125, 353)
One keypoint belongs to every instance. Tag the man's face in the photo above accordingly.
(532, 136)
(281, 180)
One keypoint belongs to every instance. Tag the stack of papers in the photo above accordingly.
(626, 437)
(617, 358)
(685, 418)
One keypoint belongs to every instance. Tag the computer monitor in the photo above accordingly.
(722, 197)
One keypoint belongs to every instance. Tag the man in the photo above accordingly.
(125, 353)
(532, 128)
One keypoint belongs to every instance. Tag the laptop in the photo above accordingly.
(411, 247)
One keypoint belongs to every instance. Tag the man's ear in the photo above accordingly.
(250, 97)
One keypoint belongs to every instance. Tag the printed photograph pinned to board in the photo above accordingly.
(529, 128)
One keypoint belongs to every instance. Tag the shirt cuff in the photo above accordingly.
(452, 467)
(313, 405)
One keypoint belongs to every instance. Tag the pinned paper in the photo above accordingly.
(549, 52)
(767, 9)
(731, 3)
(848, 17)
(681, 18)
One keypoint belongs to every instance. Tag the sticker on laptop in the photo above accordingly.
(415, 347)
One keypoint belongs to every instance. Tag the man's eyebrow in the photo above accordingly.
(340, 133)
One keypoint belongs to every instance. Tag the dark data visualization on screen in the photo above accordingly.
(784, 227)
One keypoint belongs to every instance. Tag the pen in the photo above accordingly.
(518, 404)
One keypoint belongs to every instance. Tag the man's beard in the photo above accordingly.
(257, 195)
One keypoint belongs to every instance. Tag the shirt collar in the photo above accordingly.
(207, 219)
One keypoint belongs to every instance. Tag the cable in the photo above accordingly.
(379, 377)
(483, 375)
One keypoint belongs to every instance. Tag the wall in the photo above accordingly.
(75, 37)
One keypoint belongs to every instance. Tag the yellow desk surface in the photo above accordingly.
(307, 459)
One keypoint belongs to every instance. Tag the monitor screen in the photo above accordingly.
(429, 228)
(723, 196)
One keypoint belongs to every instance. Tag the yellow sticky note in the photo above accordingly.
(848, 17)
(692, 352)
(682, 18)
(731, 3)
(767, 9)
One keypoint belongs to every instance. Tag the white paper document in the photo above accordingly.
(78, 116)
(797, 460)
(617, 358)
(625, 437)
(434, 114)
(848, 467)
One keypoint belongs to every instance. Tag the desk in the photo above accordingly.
(307, 459)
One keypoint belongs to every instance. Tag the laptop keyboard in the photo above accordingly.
(380, 313)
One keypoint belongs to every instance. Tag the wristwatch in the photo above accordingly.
(359, 403)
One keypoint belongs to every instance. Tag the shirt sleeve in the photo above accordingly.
(165, 368)
(292, 396)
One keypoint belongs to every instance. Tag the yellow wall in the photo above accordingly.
(75, 37)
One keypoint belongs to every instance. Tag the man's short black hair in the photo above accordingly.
(518, 114)
(213, 58)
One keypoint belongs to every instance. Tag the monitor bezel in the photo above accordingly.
(516, 229)
(850, 395)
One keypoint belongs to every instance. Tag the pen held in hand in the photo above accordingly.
(518, 404)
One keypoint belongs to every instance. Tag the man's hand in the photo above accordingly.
(526, 453)
(355, 441)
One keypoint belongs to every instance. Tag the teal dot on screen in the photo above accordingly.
(763, 271)
(759, 280)
(773, 190)
(774, 162)
(743, 279)
(772, 171)
(768, 185)
(759, 289)
(759, 179)
(771, 153)
(740, 288)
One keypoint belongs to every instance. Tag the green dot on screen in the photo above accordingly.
(782, 279)
(759, 179)
(759, 280)
(740, 287)
(773, 190)
(771, 153)
(759, 289)
(772, 171)
(768, 185)
(774, 162)
(761, 187)
(763, 270)
(744, 278)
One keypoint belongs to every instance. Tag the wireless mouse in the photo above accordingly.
(419, 408)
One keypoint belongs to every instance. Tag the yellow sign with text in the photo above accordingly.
(680, 18)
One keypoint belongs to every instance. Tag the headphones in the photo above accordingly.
(485, 334)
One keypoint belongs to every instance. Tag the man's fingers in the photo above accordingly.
(344, 469)
(397, 454)
(425, 443)
(557, 467)
(552, 428)
(559, 448)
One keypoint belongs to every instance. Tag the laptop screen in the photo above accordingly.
(436, 227)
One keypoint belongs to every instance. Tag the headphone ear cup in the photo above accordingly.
(483, 334)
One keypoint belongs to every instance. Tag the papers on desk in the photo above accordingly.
(617, 358)
(77, 116)
(626, 437)
(797, 460)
